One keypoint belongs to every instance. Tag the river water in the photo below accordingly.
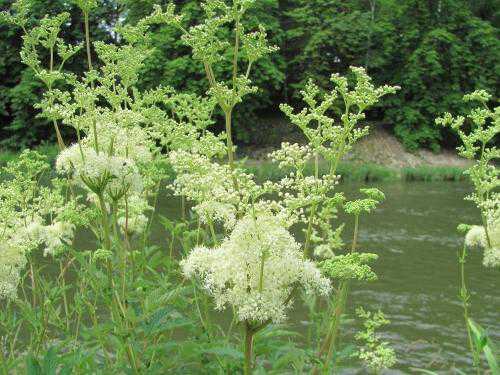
(414, 234)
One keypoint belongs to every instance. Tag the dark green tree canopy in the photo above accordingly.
(436, 50)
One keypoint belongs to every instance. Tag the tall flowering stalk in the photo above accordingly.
(109, 175)
(314, 200)
(211, 46)
(303, 199)
(478, 145)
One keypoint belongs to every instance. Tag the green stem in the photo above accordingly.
(171, 246)
(309, 232)
(212, 231)
(60, 141)
(229, 139)
(486, 231)
(247, 74)
(33, 283)
(51, 64)
(123, 252)
(329, 342)
(355, 236)
(249, 334)
(105, 223)
(65, 301)
(313, 212)
(94, 130)
(328, 346)
(87, 38)
(236, 50)
(44, 328)
(465, 297)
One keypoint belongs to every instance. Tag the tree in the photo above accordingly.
(19, 90)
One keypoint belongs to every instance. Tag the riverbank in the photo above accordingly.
(380, 147)
(378, 158)
(365, 172)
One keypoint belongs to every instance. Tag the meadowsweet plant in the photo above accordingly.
(228, 196)
(32, 217)
(315, 199)
(375, 353)
(478, 132)
(107, 184)
(121, 299)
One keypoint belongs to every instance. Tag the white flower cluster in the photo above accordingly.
(130, 142)
(476, 237)
(298, 192)
(12, 261)
(55, 236)
(255, 269)
(208, 184)
(224, 213)
(19, 239)
(99, 171)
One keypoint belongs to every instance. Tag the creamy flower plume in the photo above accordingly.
(12, 261)
(100, 171)
(477, 237)
(255, 269)
(211, 187)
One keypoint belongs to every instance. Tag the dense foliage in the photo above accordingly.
(435, 50)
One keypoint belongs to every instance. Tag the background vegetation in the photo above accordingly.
(434, 49)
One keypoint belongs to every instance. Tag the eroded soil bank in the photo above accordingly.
(380, 148)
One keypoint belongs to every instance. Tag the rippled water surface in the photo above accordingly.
(414, 233)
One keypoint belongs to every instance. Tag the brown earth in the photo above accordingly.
(382, 148)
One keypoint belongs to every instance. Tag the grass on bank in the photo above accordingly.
(367, 172)
(350, 172)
